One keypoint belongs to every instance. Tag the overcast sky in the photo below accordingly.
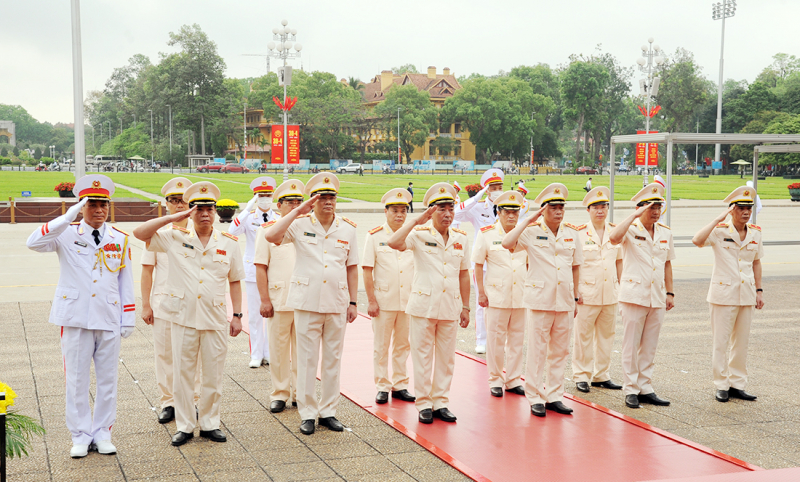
(360, 38)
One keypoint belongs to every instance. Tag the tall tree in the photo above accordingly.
(583, 85)
(682, 92)
(417, 116)
(742, 109)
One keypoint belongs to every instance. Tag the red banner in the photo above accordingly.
(652, 159)
(293, 146)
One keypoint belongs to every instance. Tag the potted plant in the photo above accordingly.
(473, 189)
(19, 429)
(226, 208)
(794, 191)
(65, 189)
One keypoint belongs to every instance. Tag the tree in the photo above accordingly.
(405, 69)
(742, 109)
(417, 116)
(544, 81)
(3, 152)
(756, 126)
(356, 85)
(582, 87)
(16, 151)
(790, 100)
(683, 90)
(37, 153)
(782, 124)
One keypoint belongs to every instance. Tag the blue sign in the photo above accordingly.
(26, 194)
(716, 164)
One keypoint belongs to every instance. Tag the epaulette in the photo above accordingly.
(253, 211)
(460, 231)
(422, 228)
(349, 222)
(612, 225)
(75, 223)
(303, 216)
(375, 230)
(581, 227)
(121, 231)
(268, 224)
(224, 233)
(183, 230)
(572, 226)
(722, 225)
(753, 226)
(664, 226)
(487, 228)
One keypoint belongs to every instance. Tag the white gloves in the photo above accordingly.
(72, 213)
(251, 204)
(126, 331)
(480, 194)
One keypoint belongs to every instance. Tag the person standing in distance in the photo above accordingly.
(94, 305)
(599, 288)
(387, 281)
(257, 212)
(735, 289)
(647, 254)
(588, 186)
(323, 294)
(201, 260)
(410, 190)
(274, 265)
(438, 301)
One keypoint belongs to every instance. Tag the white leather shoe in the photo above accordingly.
(105, 447)
(79, 450)
(480, 349)
(255, 362)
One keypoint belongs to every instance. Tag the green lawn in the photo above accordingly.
(372, 187)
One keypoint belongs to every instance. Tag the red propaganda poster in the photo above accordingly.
(293, 146)
(652, 159)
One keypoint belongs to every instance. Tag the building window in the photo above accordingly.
(457, 128)
(458, 148)
(444, 129)
(431, 150)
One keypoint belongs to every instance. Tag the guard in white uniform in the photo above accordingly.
(323, 293)
(735, 290)
(647, 254)
(94, 305)
(480, 213)
(274, 267)
(257, 212)
(526, 206)
(387, 281)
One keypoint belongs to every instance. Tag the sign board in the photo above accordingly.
(716, 164)
(337, 163)
(465, 165)
(26, 194)
(293, 144)
(425, 165)
(532, 152)
(652, 159)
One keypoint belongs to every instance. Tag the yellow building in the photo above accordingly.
(258, 145)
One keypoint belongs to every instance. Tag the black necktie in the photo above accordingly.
(494, 210)
(96, 235)
(266, 215)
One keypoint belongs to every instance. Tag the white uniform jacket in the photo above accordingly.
(248, 225)
(479, 213)
(732, 280)
(279, 260)
(393, 271)
(643, 261)
(598, 281)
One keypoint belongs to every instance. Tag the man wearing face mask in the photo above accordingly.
(257, 212)
(481, 213)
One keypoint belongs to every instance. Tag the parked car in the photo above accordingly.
(353, 168)
(229, 168)
(586, 170)
(209, 168)
(623, 169)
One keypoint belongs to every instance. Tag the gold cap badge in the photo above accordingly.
(399, 194)
(96, 184)
(511, 197)
(557, 190)
(326, 180)
(747, 193)
(441, 189)
(599, 193)
(203, 189)
(179, 184)
(294, 186)
(655, 190)
(263, 183)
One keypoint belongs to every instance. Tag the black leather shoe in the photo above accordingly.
(331, 423)
(181, 438)
(518, 390)
(582, 387)
(382, 397)
(444, 415)
(426, 416)
(608, 384)
(277, 406)
(307, 427)
(496, 391)
(653, 399)
(294, 404)
(741, 394)
(167, 415)
(558, 407)
(403, 395)
(216, 435)
(538, 410)
(721, 396)
(632, 401)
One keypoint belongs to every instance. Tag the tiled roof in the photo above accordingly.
(441, 86)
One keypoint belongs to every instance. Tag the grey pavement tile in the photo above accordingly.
(437, 474)
(302, 471)
(359, 466)
(355, 448)
(156, 468)
(283, 456)
(395, 445)
(396, 475)
(170, 478)
(245, 475)
(84, 473)
(38, 476)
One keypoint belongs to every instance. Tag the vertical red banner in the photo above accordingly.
(652, 159)
(293, 146)
(531, 158)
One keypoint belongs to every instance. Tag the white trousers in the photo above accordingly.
(162, 346)
(548, 343)
(79, 347)
(480, 312)
(505, 337)
(730, 329)
(212, 347)
(641, 326)
(593, 340)
(315, 330)
(388, 326)
(283, 365)
(259, 340)
(429, 337)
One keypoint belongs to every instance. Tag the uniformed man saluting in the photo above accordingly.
(439, 298)
(735, 289)
(201, 260)
(323, 292)
(93, 305)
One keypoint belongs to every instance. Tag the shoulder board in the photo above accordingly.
(581, 227)
(375, 230)
(753, 226)
(183, 230)
(460, 231)
(75, 223)
(349, 222)
(722, 225)
(487, 228)
(229, 235)
(268, 224)
(537, 223)
(121, 231)
(613, 225)
(303, 216)
(572, 226)
(664, 226)
(422, 228)
(253, 211)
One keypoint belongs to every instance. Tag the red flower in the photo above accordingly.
(65, 186)
(473, 187)
(794, 186)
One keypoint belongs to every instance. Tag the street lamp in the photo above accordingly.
(170, 137)
(52, 152)
(650, 60)
(721, 11)
(284, 36)
(399, 152)
(151, 136)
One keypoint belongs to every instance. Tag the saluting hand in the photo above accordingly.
(725, 214)
(537, 214)
(426, 216)
(307, 206)
(641, 210)
(178, 217)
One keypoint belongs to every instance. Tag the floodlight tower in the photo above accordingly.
(721, 11)
(651, 58)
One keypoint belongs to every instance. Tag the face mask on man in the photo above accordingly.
(494, 195)
(264, 203)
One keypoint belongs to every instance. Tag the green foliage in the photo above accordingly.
(16, 151)
(782, 124)
(417, 116)
(230, 157)
(37, 153)
(682, 91)
(582, 87)
(4, 161)
(405, 69)
(743, 109)
(20, 429)
(3, 151)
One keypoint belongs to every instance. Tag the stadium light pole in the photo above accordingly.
(650, 60)
(77, 90)
(721, 11)
(282, 50)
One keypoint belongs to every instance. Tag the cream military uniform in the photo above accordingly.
(732, 295)
(643, 296)
(599, 288)
(549, 297)
(279, 260)
(392, 274)
(197, 280)
(93, 304)
(435, 304)
(503, 286)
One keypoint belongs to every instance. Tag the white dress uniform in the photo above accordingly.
(503, 285)
(248, 222)
(94, 299)
(393, 273)
(320, 295)
(550, 298)
(479, 213)
(599, 287)
(197, 306)
(643, 296)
